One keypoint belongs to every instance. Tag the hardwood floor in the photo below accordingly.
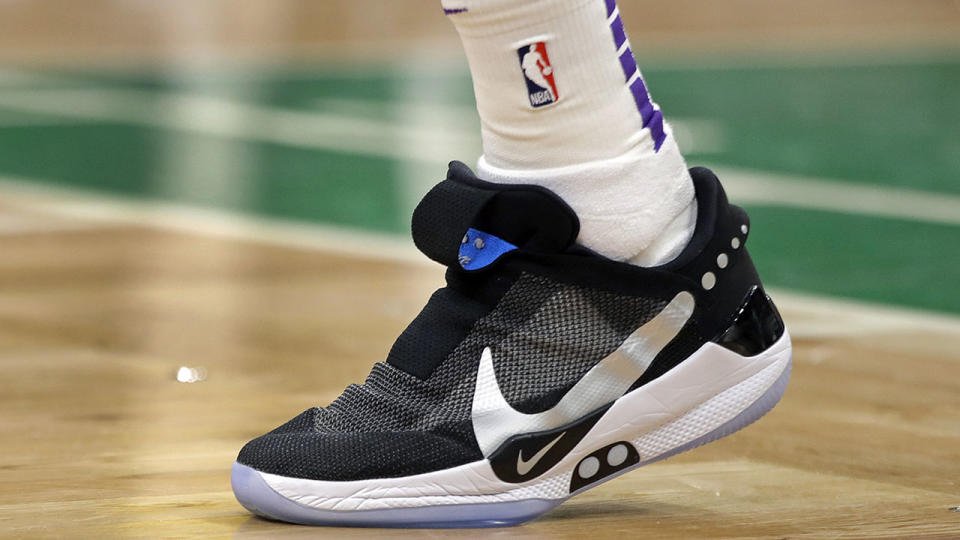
(99, 439)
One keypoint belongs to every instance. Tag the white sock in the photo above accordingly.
(562, 106)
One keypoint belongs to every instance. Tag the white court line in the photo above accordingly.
(103, 210)
(239, 120)
(18, 225)
(405, 141)
(745, 186)
(816, 316)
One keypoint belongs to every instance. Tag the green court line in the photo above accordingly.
(896, 124)
(278, 181)
(884, 260)
(886, 125)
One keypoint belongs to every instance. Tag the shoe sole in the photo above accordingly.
(471, 496)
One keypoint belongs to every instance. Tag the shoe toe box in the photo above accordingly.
(297, 449)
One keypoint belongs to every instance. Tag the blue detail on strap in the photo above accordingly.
(479, 249)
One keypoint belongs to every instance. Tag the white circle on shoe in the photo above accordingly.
(588, 467)
(722, 260)
(617, 455)
(708, 280)
(744, 229)
(478, 243)
(735, 243)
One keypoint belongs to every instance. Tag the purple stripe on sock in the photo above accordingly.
(642, 98)
(656, 130)
(619, 34)
(611, 5)
(628, 63)
(650, 117)
(454, 11)
(646, 113)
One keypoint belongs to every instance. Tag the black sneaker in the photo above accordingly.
(541, 370)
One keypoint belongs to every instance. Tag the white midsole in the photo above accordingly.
(706, 390)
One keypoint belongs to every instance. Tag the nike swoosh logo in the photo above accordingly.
(523, 466)
(495, 421)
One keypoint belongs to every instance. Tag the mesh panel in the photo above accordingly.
(572, 330)
(545, 337)
(304, 421)
(352, 456)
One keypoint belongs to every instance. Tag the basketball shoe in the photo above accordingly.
(541, 370)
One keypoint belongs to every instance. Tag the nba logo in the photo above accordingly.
(535, 64)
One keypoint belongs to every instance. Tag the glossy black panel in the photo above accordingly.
(756, 326)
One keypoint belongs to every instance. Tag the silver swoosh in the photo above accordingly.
(495, 421)
(524, 466)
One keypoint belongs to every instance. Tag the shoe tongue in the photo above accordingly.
(464, 221)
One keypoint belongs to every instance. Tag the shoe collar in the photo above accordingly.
(467, 223)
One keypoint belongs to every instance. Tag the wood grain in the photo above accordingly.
(99, 439)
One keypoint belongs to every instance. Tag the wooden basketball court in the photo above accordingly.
(182, 290)
(101, 439)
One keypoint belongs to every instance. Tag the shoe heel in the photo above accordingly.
(756, 327)
(751, 414)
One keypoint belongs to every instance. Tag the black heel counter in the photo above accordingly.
(756, 326)
(732, 308)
